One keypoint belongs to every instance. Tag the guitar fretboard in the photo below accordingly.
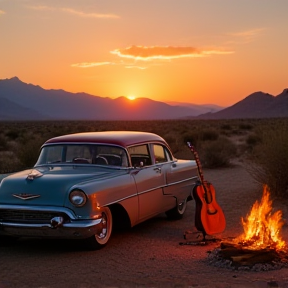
(197, 162)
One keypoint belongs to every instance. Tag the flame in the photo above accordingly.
(261, 227)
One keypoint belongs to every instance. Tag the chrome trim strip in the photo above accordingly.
(181, 181)
(167, 185)
(121, 199)
(25, 196)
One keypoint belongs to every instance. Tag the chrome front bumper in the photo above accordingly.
(79, 230)
(57, 228)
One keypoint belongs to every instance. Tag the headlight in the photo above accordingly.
(78, 198)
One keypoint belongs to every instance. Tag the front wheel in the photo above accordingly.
(99, 240)
(177, 212)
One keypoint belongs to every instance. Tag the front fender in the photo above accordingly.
(105, 192)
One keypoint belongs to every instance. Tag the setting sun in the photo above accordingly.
(131, 97)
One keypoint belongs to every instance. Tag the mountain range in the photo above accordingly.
(256, 105)
(22, 101)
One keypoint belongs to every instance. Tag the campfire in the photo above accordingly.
(262, 228)
(261, 243)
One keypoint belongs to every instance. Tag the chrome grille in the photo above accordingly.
(26, 216)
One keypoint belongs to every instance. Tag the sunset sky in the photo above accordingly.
(204, 51)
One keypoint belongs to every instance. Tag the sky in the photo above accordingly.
(201, 52)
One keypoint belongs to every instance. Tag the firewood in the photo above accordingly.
(240, 255)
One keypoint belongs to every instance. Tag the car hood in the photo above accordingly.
(50, 186)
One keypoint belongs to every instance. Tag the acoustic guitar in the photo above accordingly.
(209, 217)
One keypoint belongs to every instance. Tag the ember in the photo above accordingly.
(262, 228)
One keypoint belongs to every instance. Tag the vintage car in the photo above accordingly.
(83, 184)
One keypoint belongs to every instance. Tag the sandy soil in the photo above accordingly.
(149, 255)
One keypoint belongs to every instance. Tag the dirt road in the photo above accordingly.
(148, 255)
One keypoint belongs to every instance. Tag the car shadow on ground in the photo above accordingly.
(28, 245)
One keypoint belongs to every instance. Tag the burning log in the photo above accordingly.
(240, 256)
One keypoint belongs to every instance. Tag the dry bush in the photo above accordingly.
(3, 143)
(217, 153)
(25, 138)
(268, 162)
(28, 150)
(209, 135)
(9, 162)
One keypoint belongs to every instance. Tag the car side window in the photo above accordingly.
(168, 154)
(160, 154)
(139, 155)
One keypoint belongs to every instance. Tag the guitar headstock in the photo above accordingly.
(190, 146)
(193, 150)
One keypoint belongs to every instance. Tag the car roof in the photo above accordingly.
(121, 138)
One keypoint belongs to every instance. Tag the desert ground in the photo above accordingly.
(148, 255)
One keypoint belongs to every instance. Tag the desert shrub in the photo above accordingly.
(209, 135)
(252, 140)
(192, 137)
(28, 152)
(171, 140)
(13, 134)
(269, 160)
(218, 153)
(3, 143)
(245, 126)
(226, 127)
(9, 162)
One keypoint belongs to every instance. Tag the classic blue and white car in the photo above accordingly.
(83, 184)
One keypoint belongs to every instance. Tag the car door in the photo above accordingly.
(150, 181)
(180, 175)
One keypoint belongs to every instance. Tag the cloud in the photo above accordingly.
(135, 67)
(96, 64)
(152, 53)
(89, 15)
(90, 64)
(74, 12)
(165, 52)
(247, 35)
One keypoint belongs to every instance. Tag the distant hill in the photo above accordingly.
(22, 101)
(204, 108)
(12, 111)
(30, 102)
(256, 105)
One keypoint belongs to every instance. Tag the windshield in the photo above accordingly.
(83, 154)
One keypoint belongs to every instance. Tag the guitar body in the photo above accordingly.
(209, 217)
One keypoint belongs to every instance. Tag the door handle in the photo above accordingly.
(157, 169)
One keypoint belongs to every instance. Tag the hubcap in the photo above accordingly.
(103, 232)
(181, 206)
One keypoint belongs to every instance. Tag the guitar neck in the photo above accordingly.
(199, 167)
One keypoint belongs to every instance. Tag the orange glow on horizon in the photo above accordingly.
(107, 50)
